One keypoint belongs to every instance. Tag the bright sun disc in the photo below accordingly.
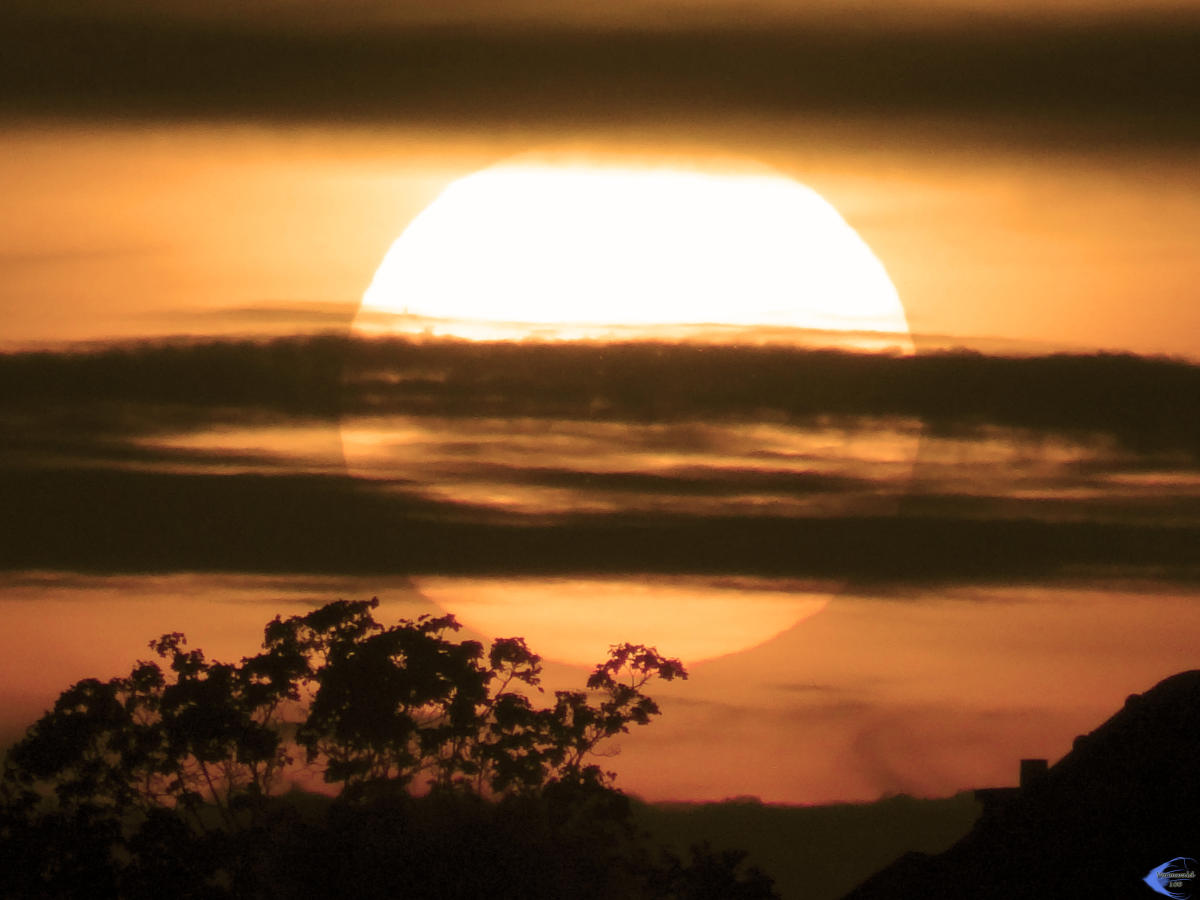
(574, 251)
(616, 252)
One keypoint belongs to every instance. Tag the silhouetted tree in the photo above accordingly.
(449, 780)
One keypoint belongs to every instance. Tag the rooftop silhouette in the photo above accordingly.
(1121, 803)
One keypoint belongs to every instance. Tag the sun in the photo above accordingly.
(583, 250)
(576, 620)
(562, 249)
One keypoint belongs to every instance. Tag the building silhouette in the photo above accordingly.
(1124, 801)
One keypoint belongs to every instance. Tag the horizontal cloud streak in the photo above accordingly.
(470, 459)
(134, 521)
(1145, 405)
(1132, 79)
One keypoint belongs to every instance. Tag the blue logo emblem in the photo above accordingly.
(1176, 878)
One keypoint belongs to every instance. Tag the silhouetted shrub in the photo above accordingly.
(448, 780)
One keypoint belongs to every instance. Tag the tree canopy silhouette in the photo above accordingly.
(447, 778)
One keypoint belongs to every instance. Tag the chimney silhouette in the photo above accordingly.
(1033, 771)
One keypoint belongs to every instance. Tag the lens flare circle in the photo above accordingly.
(577, 620)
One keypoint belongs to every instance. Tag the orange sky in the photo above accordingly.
(131, 231)
(1026, 190)
(925, 693)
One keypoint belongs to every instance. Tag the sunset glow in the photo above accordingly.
(574, 251)
(568, 252)
(474, 384)
(576, 621)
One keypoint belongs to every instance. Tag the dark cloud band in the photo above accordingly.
(1129, 79)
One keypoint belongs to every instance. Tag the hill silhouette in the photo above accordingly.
(815, 852)
(1123, 802)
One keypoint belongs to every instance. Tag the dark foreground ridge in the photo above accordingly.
(1123, 802)
(815, 852)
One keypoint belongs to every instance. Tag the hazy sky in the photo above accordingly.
(1032, 180)
(1002, 550)
(1007, 547)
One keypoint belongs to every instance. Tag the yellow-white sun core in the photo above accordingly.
(576, 251)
